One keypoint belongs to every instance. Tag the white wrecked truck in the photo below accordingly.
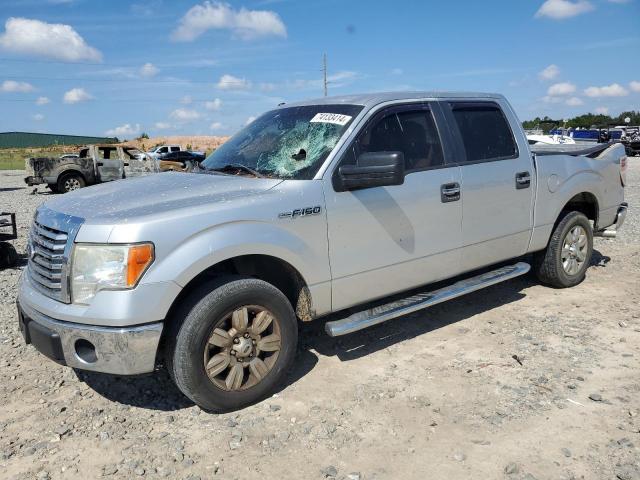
(325, 206)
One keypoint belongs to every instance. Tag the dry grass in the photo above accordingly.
(200, 143)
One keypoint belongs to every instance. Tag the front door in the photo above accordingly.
(385, 240)
(110, 165)
(497, 183)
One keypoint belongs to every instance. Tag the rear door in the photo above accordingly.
(110, 165)
(497, 182)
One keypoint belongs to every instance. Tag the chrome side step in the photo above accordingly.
(374, 316)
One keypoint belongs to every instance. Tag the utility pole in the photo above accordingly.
(324, 72)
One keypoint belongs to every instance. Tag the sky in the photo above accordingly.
(118, 68)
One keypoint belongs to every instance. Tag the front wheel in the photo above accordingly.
(565, 260)
(234, 345)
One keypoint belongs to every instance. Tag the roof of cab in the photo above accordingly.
(372, 99)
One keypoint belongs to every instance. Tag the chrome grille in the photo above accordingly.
(47, 261)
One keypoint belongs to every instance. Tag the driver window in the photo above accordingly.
(413, 133)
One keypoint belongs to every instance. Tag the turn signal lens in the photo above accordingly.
(140, 257)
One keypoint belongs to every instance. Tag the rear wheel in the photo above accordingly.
(235, 344)
(69, 182)
(565, 260)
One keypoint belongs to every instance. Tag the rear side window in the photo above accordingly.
(485, 132)
(175, 149)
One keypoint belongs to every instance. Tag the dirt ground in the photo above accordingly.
(517, 381)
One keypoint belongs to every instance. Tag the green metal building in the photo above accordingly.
(26, 140)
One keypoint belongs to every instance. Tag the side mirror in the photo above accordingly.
(374, 169)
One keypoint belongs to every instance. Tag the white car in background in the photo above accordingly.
(162, 149)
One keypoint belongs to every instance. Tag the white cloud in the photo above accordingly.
(42, 100)
(550, 99)
(216, 126)
(397, 71)
(76, 95)
(11, 86)
(38, 117)
(215, 104)
(229, 82)
(250, 120)
(562, 88)
(162, 125)
(602, 110)
(268, 87)
(574, 101)
(185, 115)
(560, 9)
(126, 130)
(613, 90)
(243, 23)
(549, 73)
(338, 79)
(186, 100)
(148, 70)
(634, 86)
(51, 40)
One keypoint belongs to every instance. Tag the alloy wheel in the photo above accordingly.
(243, 348)
(574, 250)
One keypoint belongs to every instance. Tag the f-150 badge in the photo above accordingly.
(301, 212)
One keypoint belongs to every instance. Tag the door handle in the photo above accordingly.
(523, 180)
(450, 192)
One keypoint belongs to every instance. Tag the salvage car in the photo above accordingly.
(350, 206)
(94, 164)
(183, 161)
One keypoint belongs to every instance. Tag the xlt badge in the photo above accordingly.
(301, 212)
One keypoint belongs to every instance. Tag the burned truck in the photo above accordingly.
(94, 164)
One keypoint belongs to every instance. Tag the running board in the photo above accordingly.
(374, 316)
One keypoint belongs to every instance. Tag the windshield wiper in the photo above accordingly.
(238, 166)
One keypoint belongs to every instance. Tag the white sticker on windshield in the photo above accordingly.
(336, 118)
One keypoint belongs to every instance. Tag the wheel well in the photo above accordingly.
(273, 270)
(68, 172)
(585, 203)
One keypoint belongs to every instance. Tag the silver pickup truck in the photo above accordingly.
(318, 207)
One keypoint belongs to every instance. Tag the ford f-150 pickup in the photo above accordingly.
(318, 207)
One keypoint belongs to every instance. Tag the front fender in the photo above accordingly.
(229, 240)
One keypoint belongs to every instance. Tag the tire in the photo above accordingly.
(69, 182)
(190, 343)
(8, 255)
(549, 265)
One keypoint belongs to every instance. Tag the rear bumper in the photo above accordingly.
(611, 231)
(31, 180)
(120, 351)
(622, 214)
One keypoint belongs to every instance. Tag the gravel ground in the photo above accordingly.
(517, 381)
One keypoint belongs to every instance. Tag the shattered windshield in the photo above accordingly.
(288, 143)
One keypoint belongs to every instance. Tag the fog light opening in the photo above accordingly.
(86, 351)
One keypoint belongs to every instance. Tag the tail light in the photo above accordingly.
(623, 170)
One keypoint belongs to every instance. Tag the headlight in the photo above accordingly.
(107, 267)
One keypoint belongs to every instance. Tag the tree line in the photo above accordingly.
(587, 120)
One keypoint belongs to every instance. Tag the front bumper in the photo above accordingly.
(115, 350)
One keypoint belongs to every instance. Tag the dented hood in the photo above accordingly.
(161, 194)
